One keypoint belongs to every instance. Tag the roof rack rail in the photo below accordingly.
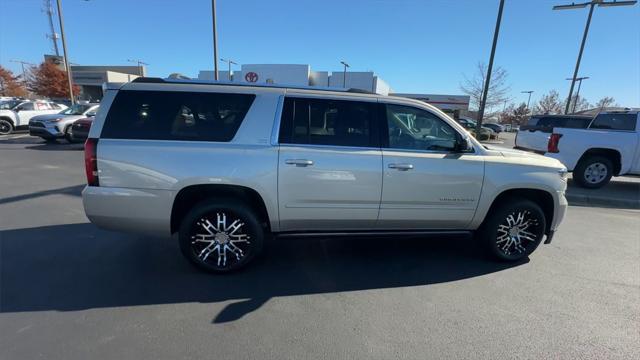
(156, 80)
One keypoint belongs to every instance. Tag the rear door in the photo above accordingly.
(330, 165)
(427, 184)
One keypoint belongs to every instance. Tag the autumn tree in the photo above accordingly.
(48, 80)
(515, 115)
(606, 101)
(498, 88)
(549, 103)
(10, 85)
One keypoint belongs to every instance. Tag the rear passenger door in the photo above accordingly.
(330, 165)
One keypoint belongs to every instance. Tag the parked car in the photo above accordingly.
(497, 128)
(608, 146)
(55, 126)
(80, 129)
(225, 166)
(20, 114)
(534, 136)
(485, 132)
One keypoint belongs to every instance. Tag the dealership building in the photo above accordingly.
(302, 75)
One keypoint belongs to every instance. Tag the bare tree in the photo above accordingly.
(579, 103)
(516, 115)
(606, 102)
(549, 103)
(498, 88)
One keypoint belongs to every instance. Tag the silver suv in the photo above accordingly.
(226, 166)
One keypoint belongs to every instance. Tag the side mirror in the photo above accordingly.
(17, 109)
(91, 114)
(463, 145)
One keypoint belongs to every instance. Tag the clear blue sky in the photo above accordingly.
(416, 46)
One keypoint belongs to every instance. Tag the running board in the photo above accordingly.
(382, 233)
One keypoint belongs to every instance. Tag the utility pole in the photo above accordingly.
(229, 61)
(579, 80)
(48, 9)
(483, 102)
(344, 74)
(24, 73)
(64, 49)
(592, 4)
(215, 40)
(140, 63)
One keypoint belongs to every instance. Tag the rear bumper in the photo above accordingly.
(141, 211)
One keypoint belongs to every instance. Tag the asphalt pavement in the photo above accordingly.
(69, 290)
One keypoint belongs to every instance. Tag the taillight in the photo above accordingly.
(552, 145)
(91, 161)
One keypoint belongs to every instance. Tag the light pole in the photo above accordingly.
(66, 53)
(579, 80)
(229, 62)
(489, 69)
(344, 74)
(24, 74)
(528, 92)
(215, 40)
(140, 63)
(592, 4)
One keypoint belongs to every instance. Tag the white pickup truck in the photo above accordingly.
(608, 146)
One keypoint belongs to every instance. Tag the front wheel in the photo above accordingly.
(6, 127)
(513, 230)
(221, 236)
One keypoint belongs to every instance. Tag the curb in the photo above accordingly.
(595, 200)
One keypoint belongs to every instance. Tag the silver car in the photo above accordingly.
(227, 167)
(55, 126)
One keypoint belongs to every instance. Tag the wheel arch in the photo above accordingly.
(542, 198)
(9, 120)
(612, 154)
(191, 195)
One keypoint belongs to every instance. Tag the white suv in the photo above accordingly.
(20, 114)
(224, 166)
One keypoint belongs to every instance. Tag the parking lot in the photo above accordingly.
(70, 290)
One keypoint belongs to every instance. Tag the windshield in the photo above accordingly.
(9, 104)
(77, 109)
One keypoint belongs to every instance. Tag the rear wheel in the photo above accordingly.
(6, 127)
(221, 236)
(593, 172)
(68, 136)
(513, 230)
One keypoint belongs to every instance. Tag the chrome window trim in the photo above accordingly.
(275, 131)
(330, 147)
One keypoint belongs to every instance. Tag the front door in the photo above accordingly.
(427, 183)
(330, 165)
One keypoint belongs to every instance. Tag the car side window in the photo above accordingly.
(168, 115)
(26, 107)
(615, 122)
(416, 129)
(328, 122)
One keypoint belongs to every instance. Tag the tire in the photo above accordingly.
(6, 127)
(513, 230)
(593, 172)
(50, 140)
(68, 136)
(216, 251)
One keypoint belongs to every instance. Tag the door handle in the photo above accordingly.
(299, 162)
(401, 167)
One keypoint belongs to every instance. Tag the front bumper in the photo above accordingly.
(44, 130)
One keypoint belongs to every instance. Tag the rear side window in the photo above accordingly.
(169, 115)
(615, 122)
(328, 122)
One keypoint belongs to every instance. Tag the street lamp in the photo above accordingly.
(140, 63)
(229, 61)
(579, 80)
(24, 74)
(528, 92)
(66, 53)
(344, 74)
(489, 69)
(591, 5)
(215, 40)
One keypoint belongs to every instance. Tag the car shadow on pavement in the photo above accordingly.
(78, 266)
(57, 146)
(75, 190)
